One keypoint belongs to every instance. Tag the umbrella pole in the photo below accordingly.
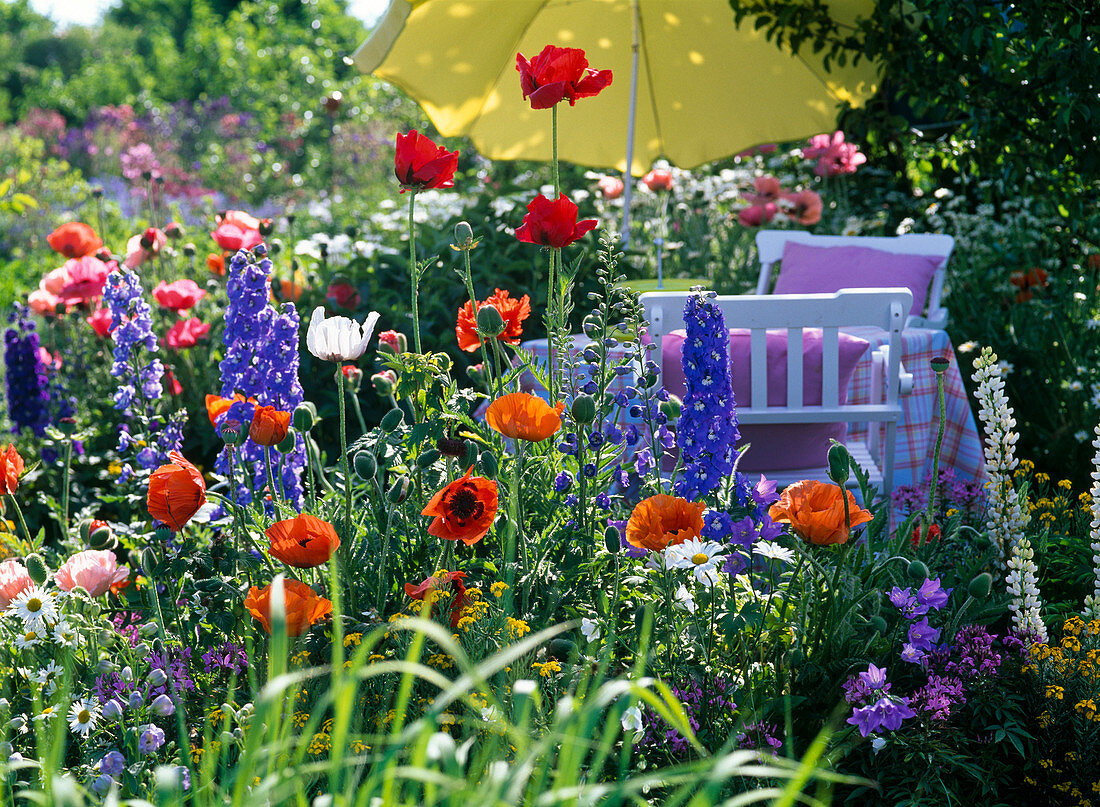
(628, 179)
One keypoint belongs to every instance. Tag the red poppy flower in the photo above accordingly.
(303, 606)
(552, 224)
(815, 511)
(805, 207)
(464, 510)
(11, 468)
(74, 240)
(934, 534)
(512, 311)
(173, 383)
(659, 179)
(236, 230)
(343, 295)
(1026, 281)
(523, 416)
(559, 74)
(178, 296)
(304, 541)
(420, 164)
(186, 333)
(269, 426)
(437, 582)
(100, 320)
(176, 492)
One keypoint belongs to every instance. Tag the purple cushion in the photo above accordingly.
(777, 446)
(809, 269)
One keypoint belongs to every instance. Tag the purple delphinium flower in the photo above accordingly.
(701, 700)
(563, 482)
(707, 431)
(932, 594)
(25, 376)
(230, 657)
(178, 665)
(759, 736)
(905, 601)
(922, 635)
(261, 362)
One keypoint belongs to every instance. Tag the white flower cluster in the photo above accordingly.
(1007, 519)
(1022, 586)
(1092, 603)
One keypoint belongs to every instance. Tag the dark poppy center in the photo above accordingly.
(463, 504)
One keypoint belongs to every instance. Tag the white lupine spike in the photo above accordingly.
(1092, 603)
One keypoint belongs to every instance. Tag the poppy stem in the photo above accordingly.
(415, 275)
(469, 278)
(348, 533)
(930, 510)
(270, 476)
(551, 330)
(65, 483)
(22, 523)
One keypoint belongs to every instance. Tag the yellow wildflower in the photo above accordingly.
(353, 639)
(1055, 692)
(1065, 484)
(320, 744)
(546, 669)
(1041, 478)
(517, 628)
(498, 588)
(300, 719)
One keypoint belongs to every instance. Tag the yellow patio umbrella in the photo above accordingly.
(689, 84)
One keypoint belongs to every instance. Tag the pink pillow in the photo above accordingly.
(808, 269)
(777, 446)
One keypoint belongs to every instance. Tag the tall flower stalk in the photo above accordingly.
(1007, 519)
(1092, 602)
(25, 375)
(1022, 584)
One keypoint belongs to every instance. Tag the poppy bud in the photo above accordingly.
(489, 321)
(918, 571)
(612, 541)
(428, 458)
(583, 409)
(489, 464)
(288, 444)
(399, 491)
(839, 464)
(36, 568)
(476, 372)
(275, 245)
(464, 236)
(980, 586)
(393, 342)
(452, 447)
(353, 376)
(163, 533)
(149, 558)
(392, 419)
(671, 408)
(267, 227)
(366, 466)
(232, 432)
(560, 649)
(469, 456)
(66, 426)
(384, 382)
(189, 249)
(174, 230)
(305, 417)
(99, 535)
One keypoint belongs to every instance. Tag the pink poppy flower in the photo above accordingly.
(610, 187)
(804, 207)
(834, 156)
(178, 296)
(768, 189)
(48, 359)
(100, 320)
(756, 215)
(13, 580)
(54, 281)
(659, 179)
(43, 303)
(87, 277)
(94, 570)
(186, 333)
(236, 230)
(144, 247)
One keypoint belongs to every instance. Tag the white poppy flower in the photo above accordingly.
(338, 338)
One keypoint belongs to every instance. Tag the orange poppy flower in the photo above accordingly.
(11, 468)
(512, 311)
(437, 581)
(217, 406)
(269, 426)
(303, 606)
(662, 520)
(815, 511)
(524, 416)
(464, 510)
(176, 492)
(304, 541)
(216, 264)
(74, 240)
(1026, 281)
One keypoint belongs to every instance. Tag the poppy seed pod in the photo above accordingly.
(288, 443)
(611, 540)
(583, 409)
(671, 408)
(233, 432)
(940, 364)
(489, 321)
(429, 458)
(489, 464)
(36, 568)
(305, 417)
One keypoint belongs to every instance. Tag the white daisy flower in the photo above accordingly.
(64, 635)
(590, 629)
(773, 551)
(36, 607)
(83, 716)
(702, 557)
(45, 715)
(47, 673)
(27, 638)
